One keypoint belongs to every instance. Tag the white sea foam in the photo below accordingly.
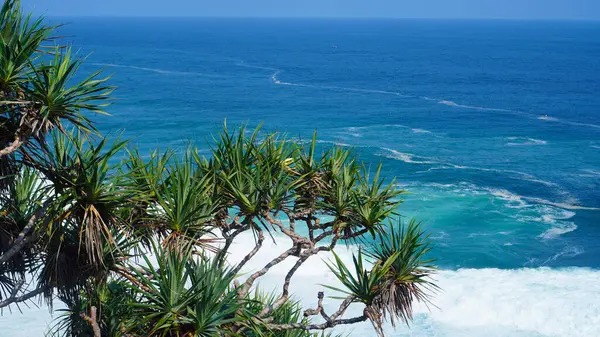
(405, 157)
(558, 229)
(471, 303)
(590, 173)
(155, 70)
(456, 105)
(558, 120)
(553, 215)
(519, 175)
(276, 80)
(336, 143)
(569, 251)
(421, 131)
(524, 141)
(560, 204)
(548, 118)
(253, 66)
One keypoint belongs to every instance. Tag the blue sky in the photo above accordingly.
(510, 9)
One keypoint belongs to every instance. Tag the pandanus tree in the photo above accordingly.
(139, 245)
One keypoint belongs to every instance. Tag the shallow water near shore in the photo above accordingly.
(492, 128)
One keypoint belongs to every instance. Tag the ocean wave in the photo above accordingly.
(421, 131)
(527, 209)
(276, 80)
(590, 172)
(253, 66)
(493, 302)
(472, 302)
(558, 230)
(456, 105)
(336, 143)
(558, 120)
(354, 129)
(548, 118)
(405, 157)
(519, 175)
(408, 158)
(156, 70)
(569, 251)
(524, 141)
(560, 204)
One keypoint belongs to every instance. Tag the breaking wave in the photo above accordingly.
(471, 303)
(554, 216)
(489, 302)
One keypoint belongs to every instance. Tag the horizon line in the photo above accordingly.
(119, 16)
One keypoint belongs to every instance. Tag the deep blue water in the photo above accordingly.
(492, 126)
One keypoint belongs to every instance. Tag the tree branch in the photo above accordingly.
(20, 241)
(321, 326)
(295, 237)
(250, 281)
(14, 146)
(91, 319)
(230, 237)
(16, 299)
(259, 242)
(124, 273)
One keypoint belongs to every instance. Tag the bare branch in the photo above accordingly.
(250, 281)
(21, 241)
(295, 237)
(318, 309)
(91, 319)
(322, 326)
(14, 146)
(250, 255)
(230, 237)
(125, 273)
(16, 102)
(16, 299)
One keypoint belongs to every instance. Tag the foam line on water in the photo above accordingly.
(456, 105)
(558, 120)
(524, 141)
(590, 173)
(527, 208)
(354, 130)
(253, 66)
(156, 70)
(275, 79)
(408, 158)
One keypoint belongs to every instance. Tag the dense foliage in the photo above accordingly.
(138, 245)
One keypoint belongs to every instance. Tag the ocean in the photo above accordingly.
(492, 128)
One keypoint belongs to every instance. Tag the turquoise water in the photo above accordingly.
(493, 127)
